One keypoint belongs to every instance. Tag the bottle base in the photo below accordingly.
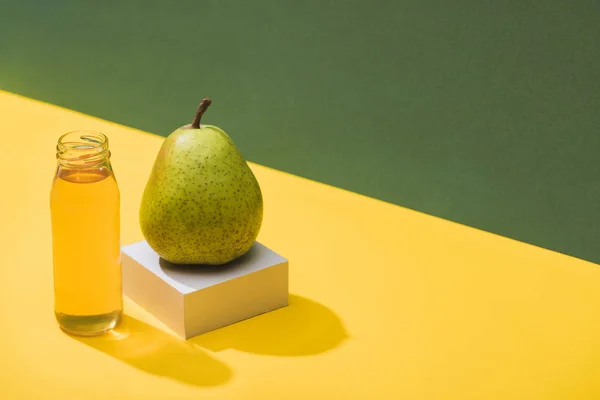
(88, 325)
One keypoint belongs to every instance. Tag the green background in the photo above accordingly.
(482, 112)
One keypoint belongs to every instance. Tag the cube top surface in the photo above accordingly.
(190, 278)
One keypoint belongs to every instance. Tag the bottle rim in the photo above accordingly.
(82, 147)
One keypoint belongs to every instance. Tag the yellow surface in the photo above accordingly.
(387, 303)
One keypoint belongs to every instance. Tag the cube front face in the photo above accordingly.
(192, 302)
(149, 291)
(235, 300)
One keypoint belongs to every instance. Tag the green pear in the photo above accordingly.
(202, 204)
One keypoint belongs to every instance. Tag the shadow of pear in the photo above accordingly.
(156, 352)
(197, 275)
(303, 328)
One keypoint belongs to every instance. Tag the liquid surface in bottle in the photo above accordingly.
(86, 249)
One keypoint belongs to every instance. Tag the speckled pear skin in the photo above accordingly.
(202, 204)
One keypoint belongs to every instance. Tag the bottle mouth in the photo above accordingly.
(82, 148)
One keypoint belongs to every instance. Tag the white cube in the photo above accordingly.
(194, 299)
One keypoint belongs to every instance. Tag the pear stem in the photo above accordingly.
(204, 104)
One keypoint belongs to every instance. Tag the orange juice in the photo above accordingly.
(84, 204)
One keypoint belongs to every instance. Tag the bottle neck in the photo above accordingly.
(83, 149)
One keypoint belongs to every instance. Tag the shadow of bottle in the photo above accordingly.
(303, 328)
(154, 351)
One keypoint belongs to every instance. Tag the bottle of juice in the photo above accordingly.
(85, 215)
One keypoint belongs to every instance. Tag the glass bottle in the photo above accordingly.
(85, 215)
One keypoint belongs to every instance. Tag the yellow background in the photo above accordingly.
(386, 302)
